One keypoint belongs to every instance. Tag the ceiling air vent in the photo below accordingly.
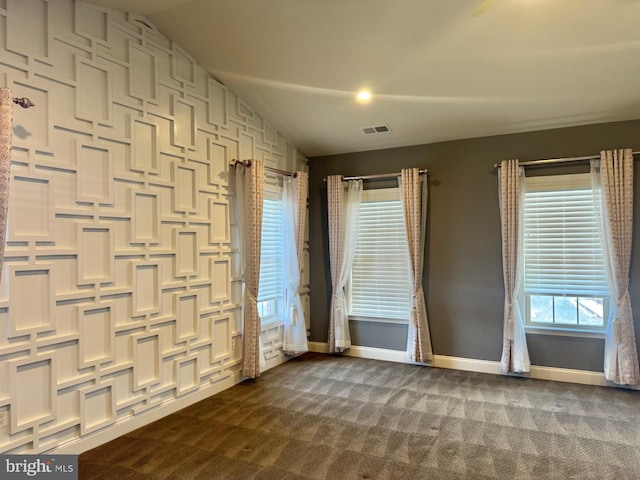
(376, 129)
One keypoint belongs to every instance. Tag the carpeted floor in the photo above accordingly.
(332, 417)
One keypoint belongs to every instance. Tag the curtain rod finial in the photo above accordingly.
(24, 102)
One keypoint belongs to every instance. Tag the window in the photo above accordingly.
(271, 289)
(565, 282)
(379, 286)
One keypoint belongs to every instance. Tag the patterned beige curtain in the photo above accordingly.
(6, 132)
(414, 202)
(344, 222)
(515, 355)
(250, 193)
(295, 207)
(613, 179)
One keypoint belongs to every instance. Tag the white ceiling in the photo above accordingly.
(436, 71)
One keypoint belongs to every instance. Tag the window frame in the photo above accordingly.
(273, 192)
(369, 196)
(551, 183)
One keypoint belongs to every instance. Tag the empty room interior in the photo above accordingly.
(306, 239)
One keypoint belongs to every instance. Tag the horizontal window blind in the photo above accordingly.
(271, 277)
(562, 248)
(379, 276)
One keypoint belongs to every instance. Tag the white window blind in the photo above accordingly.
(379, 286)
(564, 275)
(271, 289)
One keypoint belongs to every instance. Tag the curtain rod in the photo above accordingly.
(379, 175)
(247, 163)
(24, 102)
(549, 161)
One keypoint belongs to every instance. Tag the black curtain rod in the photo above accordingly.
(551, 161)
(379, 175)
(247, 163)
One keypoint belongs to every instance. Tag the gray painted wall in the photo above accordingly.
(462, 272)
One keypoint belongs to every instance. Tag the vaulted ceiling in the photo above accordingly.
(436, 70)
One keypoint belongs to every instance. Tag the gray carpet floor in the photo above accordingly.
(331, 417)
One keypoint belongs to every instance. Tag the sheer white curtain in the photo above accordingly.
(414, 203)
(6, 131)
(612, 180)
(294, 195)
(250, 199)
(515, 355)
(344, 222)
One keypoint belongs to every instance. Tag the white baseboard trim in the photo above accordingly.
(471, 364)
(129, 424)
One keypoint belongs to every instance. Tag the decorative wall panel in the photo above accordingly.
(95, 173)
(31, 299)
(95, 254)
(145, 224)
(93, 93)
(220, 225)
(146, 288)
(97, 333)
(145, 156)
(28, 33)
(121, 290)
(97, 408)
(33, 386)
(144, 77)
(31, 209)
(187, 314)
(221, 280)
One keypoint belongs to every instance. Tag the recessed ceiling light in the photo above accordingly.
(363, 96)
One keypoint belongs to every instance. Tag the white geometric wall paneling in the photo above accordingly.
(31, 299)
(95, 173)
(145, 156)
(185, 192)
(145, 217)
(121, 291)
(184, 125)
(31, 209)
(32, 131)
(97, 334)
(94, 100)
(96, 250)
(33, 387)
(187, 313)
(143, 79)
(247, 146)
(28, 16)
(97, 407)
(220, 268)
(217, 111)
(93, 22)
(218, 163)
(220, 221)
(187, 252)
(187, 375)
(147, 286)
(183, 67)
(147, 360)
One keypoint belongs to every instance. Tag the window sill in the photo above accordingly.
(358, 318)
(564, 332)
(272, 322)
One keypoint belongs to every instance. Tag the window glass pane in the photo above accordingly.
(541, 308)
(379, 284)
(564, 276)
(565, 310)
(591, 311)
(271, 289)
